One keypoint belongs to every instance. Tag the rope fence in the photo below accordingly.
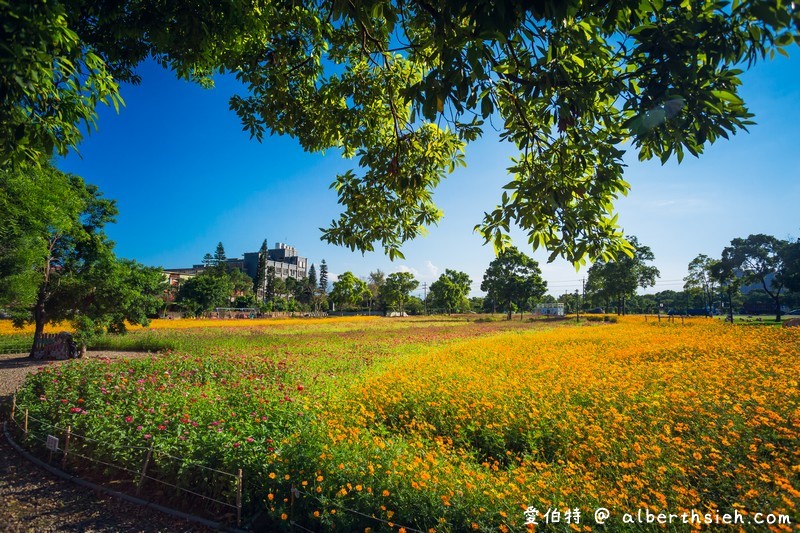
(63, 444)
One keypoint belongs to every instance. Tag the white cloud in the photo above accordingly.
(432, 270)
(405, 268)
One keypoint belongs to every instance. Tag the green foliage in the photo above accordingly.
(323, 277)
(65, 268)
(791, 262)
(219, 256)
(405, 86)
(50, 82)
(700, 278)
(259, 283)
(242, 283)
(618, 279)
(205, 291)
(414, 306)
(512, 279)
(269, 291)
(759, 257)
(395, 291)
(375, 281)
(29, 203)
(348, 291)
(450, 291)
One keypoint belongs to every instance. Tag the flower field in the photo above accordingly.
(426, 425)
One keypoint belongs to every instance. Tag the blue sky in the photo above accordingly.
(186, 176)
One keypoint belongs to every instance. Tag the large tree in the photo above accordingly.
(107, 296)
(405, 85)
(724, 273)
(700, 278)
(619, 278)
(269, 284)
(450, 291)
(375, 281)
(323, 277)
(57, 262)
(206, 291)
(259, 283)
(760, 259)
(512, 279)
(395, 291)
(348, 291)
(219, 256)
(791, 262)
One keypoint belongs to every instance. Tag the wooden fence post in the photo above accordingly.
(239, 498)
(66, 448)
(144, 468)
(291, 508)
(13, 406)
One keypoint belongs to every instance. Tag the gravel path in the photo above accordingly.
(32, 499)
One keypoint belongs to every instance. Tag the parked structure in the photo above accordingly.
(551, 309)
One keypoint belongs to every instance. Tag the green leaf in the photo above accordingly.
(487, 107)
(728, 97)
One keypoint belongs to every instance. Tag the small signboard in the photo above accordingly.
(52, 443)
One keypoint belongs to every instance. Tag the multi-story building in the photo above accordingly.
(283, 259)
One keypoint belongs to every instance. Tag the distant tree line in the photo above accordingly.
(768, 267)
(221, 285)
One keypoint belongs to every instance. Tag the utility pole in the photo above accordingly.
(583, 298)
(425, 298)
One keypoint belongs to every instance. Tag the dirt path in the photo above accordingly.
(32, 499)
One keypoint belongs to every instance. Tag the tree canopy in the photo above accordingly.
(701, 278)
(450, 291)
(206, 291)
(762, 259)
(348, 291)
(395, 290)
(618, 279)
(404, 86)
(57, 262)
(512, 279)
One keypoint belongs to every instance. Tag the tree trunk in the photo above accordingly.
(509, 312)
(775, 297)
(730, 305)
(39, 317)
